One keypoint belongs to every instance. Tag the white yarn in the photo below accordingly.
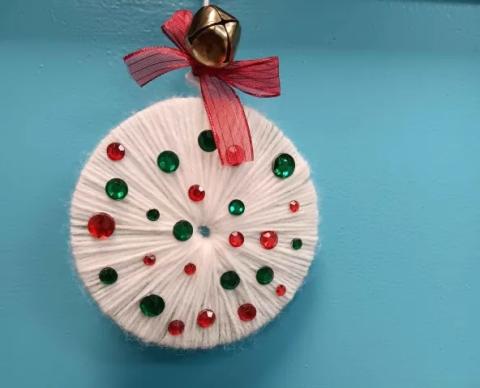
(175, 124)
(192, 80)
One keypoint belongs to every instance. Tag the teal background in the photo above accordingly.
(383, 99)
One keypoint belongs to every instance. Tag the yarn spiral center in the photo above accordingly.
(204, 231)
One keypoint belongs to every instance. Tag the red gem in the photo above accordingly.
(176, 327)
(246, 312)
(235, 155)
(196, 193)
(149, 259)
(294, 206)
(190, 269)
(281, 290)
(101, 226)
(205, 318)
(115, 151)
(236, 239)
(269, 239)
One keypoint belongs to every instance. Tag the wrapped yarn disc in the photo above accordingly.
(181, 251)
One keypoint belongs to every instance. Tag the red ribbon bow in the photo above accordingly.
(258, 77)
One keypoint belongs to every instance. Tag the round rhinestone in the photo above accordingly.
(101, 226)
(236, 239)
(235, 155)
(205, 318)
(283, 166)
(265, 275)
(236, 207)
(168, 161)
(190, 269)
(206, 141)
(294, 206)
(153, 214)
(182, 230)
(296, 243)
(152, 305)
(108, 275)
(230, 280)
(176, 327)
(115, 151)
(116, 189)
(269, 239)
(196, 193)
(149, 260)
(247, 312)
(281, 290)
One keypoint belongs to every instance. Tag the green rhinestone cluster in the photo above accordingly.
(265, 275)
(283, 166)
(153, 214)
(230, 280)
(236, 207)
(206, 141)
(297, 243)
(116, 189)
(108, 275)
(168, 161)
(152, 305)
(182, 230)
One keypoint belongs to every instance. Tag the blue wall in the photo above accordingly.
(382, 97)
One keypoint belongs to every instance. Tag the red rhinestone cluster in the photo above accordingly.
(236, 239)
(176, 327)
(294, 206)
(206, 318)
(102, 225)
(115, 151)
(149, 259)
(281, 290)
(247, 312)
(190, 269)
(269, 239)
(196, 193)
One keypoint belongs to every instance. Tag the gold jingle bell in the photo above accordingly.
(213, 36)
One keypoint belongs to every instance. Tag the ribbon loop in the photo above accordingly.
(149, 63)
(258, 77)
(176, 28)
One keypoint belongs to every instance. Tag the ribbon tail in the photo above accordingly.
(149, 63)
(227, 120)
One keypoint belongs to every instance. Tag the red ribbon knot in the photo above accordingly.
(257, 77)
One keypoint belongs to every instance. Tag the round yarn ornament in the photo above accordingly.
(224, 263)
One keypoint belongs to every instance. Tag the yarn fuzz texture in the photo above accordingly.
(181, 251)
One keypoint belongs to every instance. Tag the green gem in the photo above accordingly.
(283, 166)
(297, 243)
(153, 214)
(116, 189)
(152, 305)
(264, 275)
(168, 161)
(182, 230)
(206, 141)
(108, 275)
(236, 207)
(230, 280)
